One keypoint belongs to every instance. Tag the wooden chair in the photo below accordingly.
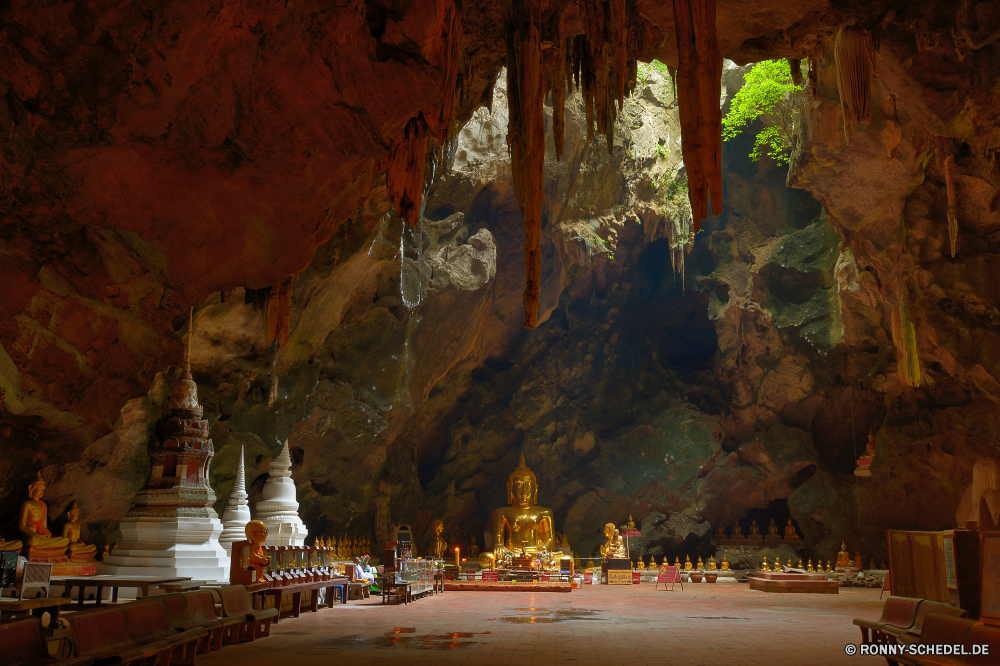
(938, 628)
(913, 633)
(21, 644)
(256, 624)
(897, 612)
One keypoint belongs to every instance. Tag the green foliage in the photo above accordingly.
(645, 69)
(768, 94)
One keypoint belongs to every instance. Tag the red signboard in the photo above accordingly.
(669, 575)
(493, 576)
(588, 577)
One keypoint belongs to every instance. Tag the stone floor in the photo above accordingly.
(710, 625)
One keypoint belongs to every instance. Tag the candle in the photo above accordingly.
(457, 563)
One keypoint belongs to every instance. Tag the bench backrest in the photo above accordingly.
(899, 611)
(178, 614)
(201, 606)
(980, 635)
(235, 600)
(928, 607)
(949, 629)
(21, 643)
(147, 619)
(100, 632)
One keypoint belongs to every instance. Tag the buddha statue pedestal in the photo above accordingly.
(172, 529)
(616, 571)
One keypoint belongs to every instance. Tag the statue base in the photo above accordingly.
(169, 546)
(619, 571)
(74, 568)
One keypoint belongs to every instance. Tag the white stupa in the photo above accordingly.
(237, 514)
(172, 529)
(278, 507)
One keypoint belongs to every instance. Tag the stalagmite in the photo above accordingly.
(855, 58)
(699, 78)
(949, 179)
(526, 138)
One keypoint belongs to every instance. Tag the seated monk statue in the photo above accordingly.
(711, 563)
(725, 563)
(701, 565)
(256, 532)
(843, 557)
(772, 529)
(790, 532)
(42, 546)
(78, 550)
(687, 563)
(754, 530)
(614, 548)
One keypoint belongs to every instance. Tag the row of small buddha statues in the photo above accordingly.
(41, 545)
(772, 533)
(346, 548)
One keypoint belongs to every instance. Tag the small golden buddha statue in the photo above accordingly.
(701, 565)
(256, 532)
(677, 562)
(10, 545)
(78, 550)
(809, 567)
(42, 546)
(107, 550)
(800, 564)
(725, 563)
(523, 521)
(763, 565)
(687, 563)
(711, 563)
(614, 548)
(790, 532)
(869, 453)
(631, 525)
(843, 557)
(642, 565)
(754, 530)
(772, 529)
(737, 531)
(828, 568)
(440, 545)
(790, 562)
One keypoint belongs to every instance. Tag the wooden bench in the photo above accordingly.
(104, 636)
(147, 622)
(897, 612)
(912, 633)
(256, 623)
(201, 613)
(21, 644)
(938, 628)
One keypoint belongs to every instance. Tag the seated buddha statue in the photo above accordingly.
(754, 530)
(10, 545)
(772, 529)
(828, 568)
(701, 565)
(720, 532)
(711, 563)
(78, 550)
(42, 546)
(725, 563)
(687, 563)
(857, 562)
(843, 557)
(677, 562)
(523, 521)
(440, 546)
(614, 548)
(800, 564)
(809, 567)
(790, 533)
(866, 458)
(763, 565)
(737, 531)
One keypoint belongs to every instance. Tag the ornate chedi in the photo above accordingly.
(237, 514)
(34, 524)
(172, 529)
(523, 525)
(278, 507)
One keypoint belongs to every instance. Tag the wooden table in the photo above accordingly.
(38, 607)
(182, 586)
(296, 590)
(143, 583)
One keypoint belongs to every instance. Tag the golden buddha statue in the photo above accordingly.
(78, 550)
(631, 525)
(256, 532)
(763, 565)
(687, 563)
(754, 530)
(790, 532)
(440, 545)
(677, 562)
(790, 562)
(869, 454)
(642, 565)
(800, 564)
(42, 546)
(809, 567)
(737, 531)
(701, 565)
(725, 563)
(523, 521)
(10, 545)
(772, 529)
(857, 562)
(720, 532)
(614, 548)
(711, 563)
(828, 569)
(843, 557)
(107, 550)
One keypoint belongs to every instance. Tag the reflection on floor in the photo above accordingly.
(703, 625)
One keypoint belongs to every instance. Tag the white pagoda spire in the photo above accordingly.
(278, 507)
(237, 514)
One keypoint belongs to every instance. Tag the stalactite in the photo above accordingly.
(278, 313)
(813, 75)
(795, 65)
(698, 92)
(526, 138)
(855, 58)
(440, 120)
(949, 180)
(555, 82)
(904, 336)
(404, 176)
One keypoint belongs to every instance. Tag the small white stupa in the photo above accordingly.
(278, 507)
(237, 514)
